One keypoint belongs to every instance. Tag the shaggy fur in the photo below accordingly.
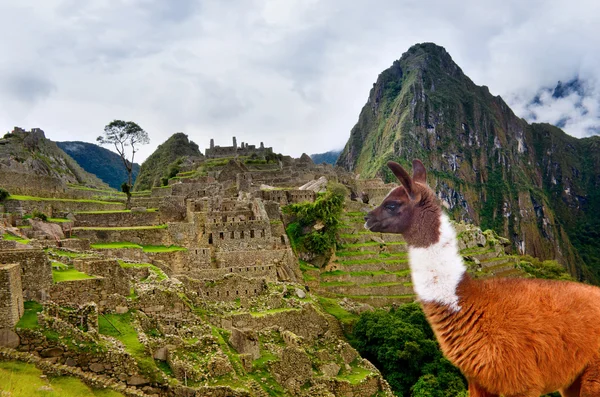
(510, 337)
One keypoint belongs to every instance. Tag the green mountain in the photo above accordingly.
(531, 183)
(329, 157)
(99, 161)
(156, 165)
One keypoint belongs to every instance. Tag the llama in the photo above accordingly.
(509, 337)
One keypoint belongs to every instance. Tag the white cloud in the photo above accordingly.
(293, 74)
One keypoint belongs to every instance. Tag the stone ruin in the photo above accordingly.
(244, 149)
(235, 265)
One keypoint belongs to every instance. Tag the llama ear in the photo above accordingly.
(402, 176)
(419, 172)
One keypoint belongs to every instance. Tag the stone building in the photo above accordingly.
(11, 295)
(232, 151)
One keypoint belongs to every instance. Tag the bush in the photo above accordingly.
(326, 212)
(3, 194)
(39, 215)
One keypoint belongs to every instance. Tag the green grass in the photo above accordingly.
(58, 220)
(32, 198)
(402, 273)
(68, 254)
(10, 237)
(60, 276)
(162, 248)
(29, 318)
(356, 376)
(124, 228)
(126, 333)
(373, 261)
(93, 189)
(332, 307)
(19, 379)
(146, 248)
(58, 265)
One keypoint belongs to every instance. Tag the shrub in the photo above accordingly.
(39, 215)
(3, 194)
(325, 212)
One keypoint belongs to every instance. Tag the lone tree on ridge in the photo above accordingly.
(123, 134)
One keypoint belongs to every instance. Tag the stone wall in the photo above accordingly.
(306, 322)
(115, 277)
(9, 245)
(36, 272)
(253, 257)
(11, 295)
(76, 244)
(79, 292)
(182, 262)
(50, 207)
(137, 236)
(31, 185)
(228, 288)
(268, 273)
(84, 317)
(118, 219)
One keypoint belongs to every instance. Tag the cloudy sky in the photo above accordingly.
(291, 73)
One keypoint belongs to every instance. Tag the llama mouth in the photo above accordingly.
(369, 227)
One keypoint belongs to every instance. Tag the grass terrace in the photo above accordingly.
(146, 248)
(18, 379)
(93, 189)
(29, 318)
(59, 220)
(32, 198)
(120, 326)
(164, 226)
(10, 237)
(69, 274)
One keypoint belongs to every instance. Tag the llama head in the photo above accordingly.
(410, 209)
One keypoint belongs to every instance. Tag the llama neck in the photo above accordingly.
(438, 269)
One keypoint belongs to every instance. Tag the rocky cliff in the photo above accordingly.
(531, 183)
(31, 164)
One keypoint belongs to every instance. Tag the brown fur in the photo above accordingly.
(511, 337)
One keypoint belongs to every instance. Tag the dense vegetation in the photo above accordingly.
(402, 345)
(99, 161)
(157, 164)
(314, 226)
(327, 157)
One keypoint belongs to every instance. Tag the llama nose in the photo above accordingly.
(367, 218)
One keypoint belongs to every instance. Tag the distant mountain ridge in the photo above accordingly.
(329, 157)
(531, 183)
(103, 163)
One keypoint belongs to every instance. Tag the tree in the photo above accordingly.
(123, 135)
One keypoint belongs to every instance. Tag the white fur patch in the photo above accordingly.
(437, 270)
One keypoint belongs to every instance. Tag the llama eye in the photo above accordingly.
(391, 206)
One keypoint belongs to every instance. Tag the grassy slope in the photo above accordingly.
(23, 380)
